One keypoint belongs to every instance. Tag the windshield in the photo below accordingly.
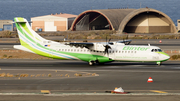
(156, 50)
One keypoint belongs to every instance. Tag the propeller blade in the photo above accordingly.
(106, 49)
(106, 39)
(109, 40)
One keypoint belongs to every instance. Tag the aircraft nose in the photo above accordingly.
(166, 56)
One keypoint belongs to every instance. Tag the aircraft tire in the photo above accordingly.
(91, 63)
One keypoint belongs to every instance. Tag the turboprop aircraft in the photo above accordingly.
(90, 52)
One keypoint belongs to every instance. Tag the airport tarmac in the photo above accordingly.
(171, 44)
(132, 77)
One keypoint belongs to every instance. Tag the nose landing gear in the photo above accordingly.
(158, 63)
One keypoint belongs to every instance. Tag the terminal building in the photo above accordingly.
(53, 22)
(143, 20)
(6, 25)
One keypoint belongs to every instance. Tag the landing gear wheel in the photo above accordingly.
(91, 63)
(158, 63)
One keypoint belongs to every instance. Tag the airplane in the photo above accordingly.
(92, 53)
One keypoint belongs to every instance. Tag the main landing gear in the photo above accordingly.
(91, 63)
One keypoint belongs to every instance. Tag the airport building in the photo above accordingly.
(6, 25)
(143, 20)
(178, 25)
(53, 22)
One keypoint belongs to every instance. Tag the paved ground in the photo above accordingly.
(90, 98)
(165, 43)
(132, 77)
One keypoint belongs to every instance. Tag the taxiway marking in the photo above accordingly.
(157, 91)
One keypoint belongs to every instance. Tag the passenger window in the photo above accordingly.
(155, 50)
(152, 50)
(119, 51)
(131, 51)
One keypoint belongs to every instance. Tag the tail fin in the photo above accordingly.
(26, 34)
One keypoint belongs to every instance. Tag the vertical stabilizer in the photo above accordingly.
(26, 34)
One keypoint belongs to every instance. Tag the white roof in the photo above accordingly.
(56, 16)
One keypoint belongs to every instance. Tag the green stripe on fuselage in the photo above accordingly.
(88, 57)
(81, 56)
(162, 53)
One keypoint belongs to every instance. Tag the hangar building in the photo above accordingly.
(53, 22)
(144, 20)
(6, 25)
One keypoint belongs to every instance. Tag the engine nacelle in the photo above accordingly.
(97, 47)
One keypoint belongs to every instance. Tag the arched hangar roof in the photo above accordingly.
(119, 18)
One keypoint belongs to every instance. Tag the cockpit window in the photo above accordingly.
(156, 50)
(159, 50)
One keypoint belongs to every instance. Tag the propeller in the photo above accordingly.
(107, 47)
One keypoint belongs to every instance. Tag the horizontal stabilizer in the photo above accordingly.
(20, 47)
(19, 22)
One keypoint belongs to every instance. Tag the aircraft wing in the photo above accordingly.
(92, 46)
(126, 42)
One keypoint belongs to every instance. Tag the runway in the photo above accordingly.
(132, 77)
(172, 44)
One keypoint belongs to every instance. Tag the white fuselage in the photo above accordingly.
(118, 52)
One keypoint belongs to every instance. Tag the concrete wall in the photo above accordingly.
(61, 25)
(37, 24)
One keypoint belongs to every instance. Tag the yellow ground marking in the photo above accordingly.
(157, 91)
(45, 91)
